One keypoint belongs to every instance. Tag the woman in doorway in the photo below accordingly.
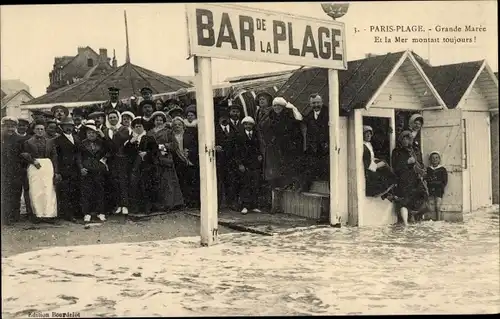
(184, 148)
(38, 152)
(410, 193)
(380, 179)
(169, 190)
(416, 122)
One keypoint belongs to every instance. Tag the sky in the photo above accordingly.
(32, 35)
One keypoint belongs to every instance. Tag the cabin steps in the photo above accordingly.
(312, 205)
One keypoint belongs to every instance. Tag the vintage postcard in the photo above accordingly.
(271, 158)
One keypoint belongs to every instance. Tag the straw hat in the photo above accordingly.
(367, 128)
(90, 124)
(248, 119)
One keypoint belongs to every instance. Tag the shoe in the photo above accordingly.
(101, 217)
(124, 210)
(87, 218)
(256, 210)
(244, 211)
(118, 210)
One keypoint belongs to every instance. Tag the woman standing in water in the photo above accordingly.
(169, 190)
(410, 193)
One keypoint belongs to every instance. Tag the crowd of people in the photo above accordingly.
(119, 158)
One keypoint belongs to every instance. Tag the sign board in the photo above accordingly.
(234, 32)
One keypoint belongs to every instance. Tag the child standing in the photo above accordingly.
(436, 178)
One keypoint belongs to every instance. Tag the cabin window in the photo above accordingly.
(90, 63)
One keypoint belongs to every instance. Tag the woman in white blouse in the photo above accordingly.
(380, 179)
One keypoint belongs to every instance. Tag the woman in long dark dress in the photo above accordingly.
(184, 147)
(410, 191)
(378, 174)
(144, 179)
(169, 190)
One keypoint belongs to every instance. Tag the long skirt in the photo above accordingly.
(41, 188)
(379, 182)
(169, 192)
(120, 173)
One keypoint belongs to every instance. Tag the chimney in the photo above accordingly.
(103, 54)
(114, 63)
(81, 49)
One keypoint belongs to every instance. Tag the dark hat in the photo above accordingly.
(96, 114)
(60, 107)
(138, 120)
(146, 102)
(67, 120)
(48, 115)
(191, 109)
(37, 112)
(175, 109)
(146, 90)
(234, 106)
(78, 111)
(266, 94)
(50, 121)
(113, 89)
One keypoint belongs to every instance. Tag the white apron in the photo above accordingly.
(42, 190)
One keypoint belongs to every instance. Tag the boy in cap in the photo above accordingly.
(66, 171)
(146, 94)
(114, 103)
(12, 171)
(249, 161)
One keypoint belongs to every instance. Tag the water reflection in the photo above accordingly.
(432, 267)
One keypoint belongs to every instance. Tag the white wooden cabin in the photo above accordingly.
(464, 133)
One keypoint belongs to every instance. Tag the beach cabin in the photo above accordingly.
(374, 91)
(467, 132)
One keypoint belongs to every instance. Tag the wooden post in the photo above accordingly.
(206, 141)
(334, 128)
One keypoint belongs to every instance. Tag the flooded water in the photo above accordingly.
(428, 268)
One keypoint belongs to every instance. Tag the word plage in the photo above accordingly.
(228, 31)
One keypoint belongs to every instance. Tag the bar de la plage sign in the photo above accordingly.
(233, 32)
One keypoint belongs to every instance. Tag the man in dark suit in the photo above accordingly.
(12, 171)
(66, 171)
(227, 180)
(249, 161)
(235, 117)
(79, 129)
(114, 102)
(317, 142)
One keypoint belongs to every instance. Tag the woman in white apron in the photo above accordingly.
(38, 151)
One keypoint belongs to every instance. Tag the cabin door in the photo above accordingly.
(442, 131)
(477, 128)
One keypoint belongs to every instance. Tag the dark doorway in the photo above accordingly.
(381, 140)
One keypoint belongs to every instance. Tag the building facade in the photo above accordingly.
(70, 69)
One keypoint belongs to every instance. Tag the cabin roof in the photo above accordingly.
(451, 80)
(129, 78)
(358, 83)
